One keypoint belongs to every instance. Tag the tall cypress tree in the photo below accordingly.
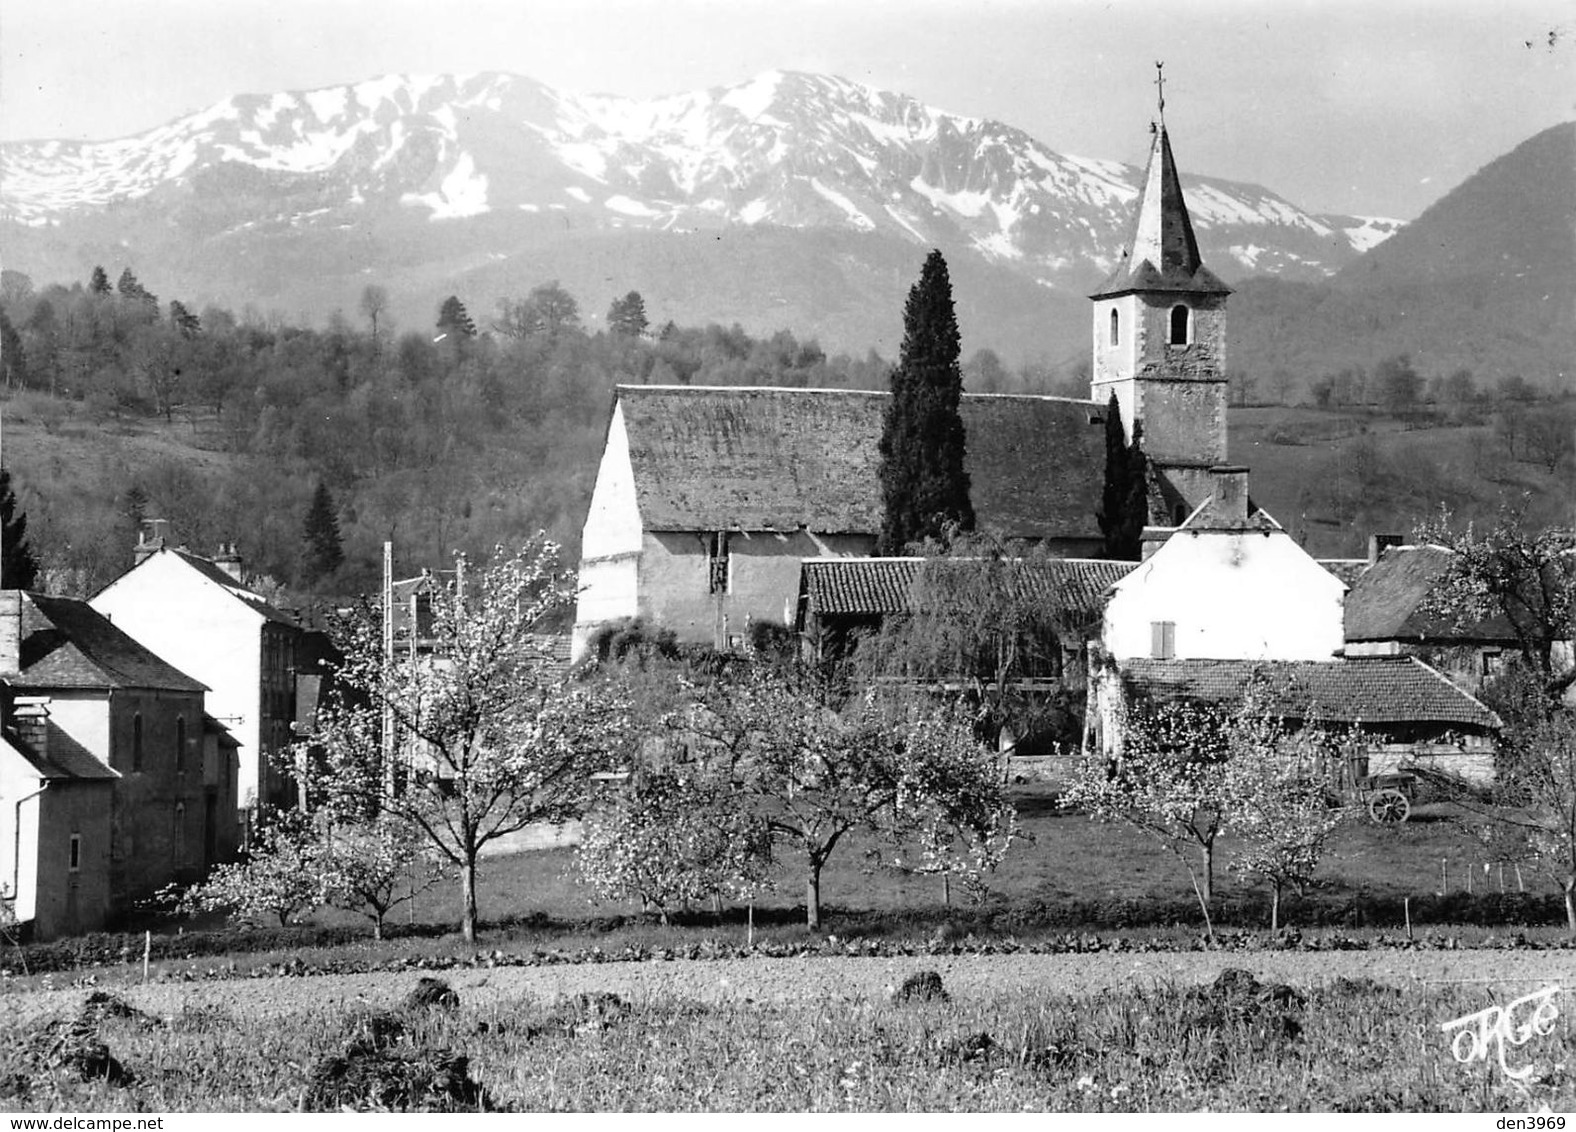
(1124, 502)
(18, 565)
(321, 552)
(923, 482)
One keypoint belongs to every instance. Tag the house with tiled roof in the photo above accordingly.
(199, 614)
(115, 778)
(840, 598)
(1231, 597)
(1389, 613)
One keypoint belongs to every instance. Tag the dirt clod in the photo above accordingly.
(922, 986)
(366, 1079)
(430, 993)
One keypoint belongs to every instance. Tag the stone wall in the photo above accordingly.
(763, 579)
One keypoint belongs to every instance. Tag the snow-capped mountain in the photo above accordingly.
(795, 150)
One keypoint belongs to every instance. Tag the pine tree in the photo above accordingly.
(189, 325)
(18, 564)
(1124, 502)
(923, 481)
(627, 316)
(321, 552)
(453, 319)
(99, 284)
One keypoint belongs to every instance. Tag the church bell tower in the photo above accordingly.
(1160, 340)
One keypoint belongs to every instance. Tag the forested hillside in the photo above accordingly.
(121, 406)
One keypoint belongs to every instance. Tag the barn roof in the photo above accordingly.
(773, 459)
(859, 587)
(1367, 690)
(1386, 602)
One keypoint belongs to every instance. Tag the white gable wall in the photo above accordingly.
(611, 541)
(1230, 595)
(199, 627)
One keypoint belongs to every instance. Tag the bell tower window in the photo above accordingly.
(1116, 328)
(1181, 318)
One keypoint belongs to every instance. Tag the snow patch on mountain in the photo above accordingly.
(462, 193)
(1371, 231)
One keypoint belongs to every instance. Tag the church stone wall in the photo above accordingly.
(763, 579)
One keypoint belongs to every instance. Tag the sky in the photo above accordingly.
(1370, 107)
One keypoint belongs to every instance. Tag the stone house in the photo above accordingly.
(90, 706)
(1388, 614)
(196, 613)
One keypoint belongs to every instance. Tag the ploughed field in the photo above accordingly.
(1112, 1030)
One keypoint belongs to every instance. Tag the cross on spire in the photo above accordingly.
(1160, 85)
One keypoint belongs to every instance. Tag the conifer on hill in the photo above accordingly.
(99, 283)
(1124, 502)
(18, 564)
(923, 482)
(321, 551)
(454, 319)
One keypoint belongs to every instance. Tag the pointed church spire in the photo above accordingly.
(1161, 253)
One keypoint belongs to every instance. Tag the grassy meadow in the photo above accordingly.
(1235, 1044)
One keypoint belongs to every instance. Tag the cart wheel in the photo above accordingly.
(1388, 807)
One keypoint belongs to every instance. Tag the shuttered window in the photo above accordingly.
(1162, 639)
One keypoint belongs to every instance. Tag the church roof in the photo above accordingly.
(1161, 252)
(773, 459)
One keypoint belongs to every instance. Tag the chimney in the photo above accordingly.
(1378, 544)
(30, 722)
(1228, 497)
(147, 545)
(10, 632)
(229, 560)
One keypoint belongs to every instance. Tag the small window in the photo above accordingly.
(136, 741)
(1116, 328)
(1181, 320)
(719, 572)
(76, 853)
(1162, 639)
(180, 743)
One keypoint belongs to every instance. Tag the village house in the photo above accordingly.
(1388, 613)
(1229, 597)
(197, 613)
(113, 780)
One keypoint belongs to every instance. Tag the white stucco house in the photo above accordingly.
(197, 614)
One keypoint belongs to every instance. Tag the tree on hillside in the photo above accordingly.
(453, 319)
(13, 357)
(488, 735)
(626, 317)
(1396, 385)
(374, 301)
(18, 563)
(1124, 501)
(188, 324)
(924, 485)
(99, 283)
(129, 288)
(321, 550)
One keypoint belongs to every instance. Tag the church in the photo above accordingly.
(708, 499)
